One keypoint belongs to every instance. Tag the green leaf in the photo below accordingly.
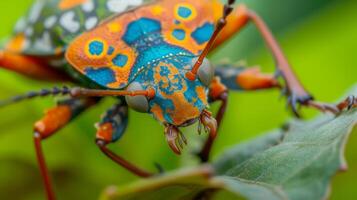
(301, 166)
(183, 184)
(295, 163)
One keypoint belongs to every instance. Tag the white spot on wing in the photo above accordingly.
(119, 6)
(69, 23)
(49, 22)
(44, 44)
(88, 6)
(21, 24)
(29, 31)
(91, 23)
(36, 11)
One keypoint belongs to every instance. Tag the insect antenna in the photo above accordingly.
(77, 92)
(55, 91)
(227, 10)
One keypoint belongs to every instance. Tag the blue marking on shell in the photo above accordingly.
(102, 76)
(203, 34)
(120, 60)
(177, 22)
(139, 28)
(96, 48)
(110, 50)
(144, 36)
(173, 85)
(191, 94)
(179, 34)
(184, 12)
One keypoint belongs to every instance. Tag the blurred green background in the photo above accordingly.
(319, 37)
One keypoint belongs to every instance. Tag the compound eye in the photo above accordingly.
(138, 103)
(205, 72)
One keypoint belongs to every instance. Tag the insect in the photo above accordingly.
(150, 56)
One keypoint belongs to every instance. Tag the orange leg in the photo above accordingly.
(239, 19)
(30, 67)
(110, 129)
(243, 78)
(294, 89)
(54, 120)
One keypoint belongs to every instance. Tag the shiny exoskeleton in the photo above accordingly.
(151, 56)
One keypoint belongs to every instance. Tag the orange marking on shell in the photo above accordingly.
(158, 113)
(201, 91)
(17, 43)
(157, 10)
(184, 110)
(76, 52)
(114, 27)
(105, 132)
(53, 120)
(122, 74)
(252, 79)
(68, 4)
(201, 14)
(235, 22)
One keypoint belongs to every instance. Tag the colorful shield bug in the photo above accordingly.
(150, 55)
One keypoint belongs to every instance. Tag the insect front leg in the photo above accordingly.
(230, 77)
(218, 92)
(29, 66)
(54, 120)
(110, 129)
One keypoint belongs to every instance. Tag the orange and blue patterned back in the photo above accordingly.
(128, 43)
(153, 45)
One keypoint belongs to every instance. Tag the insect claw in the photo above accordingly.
(207, 129)
(183, 138)
(210, 124)
(348, 104)
(174, 147)
(199, 128)
(180, 143)
(172, 136)
(283, 92)
(292, 105)
(352, 101)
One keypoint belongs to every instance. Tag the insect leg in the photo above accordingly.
(110, 129)
(30, 67)
(229, 77)
(218, 92)
(245, 78)
(349, 103)
(55, 119)
(294, 89)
